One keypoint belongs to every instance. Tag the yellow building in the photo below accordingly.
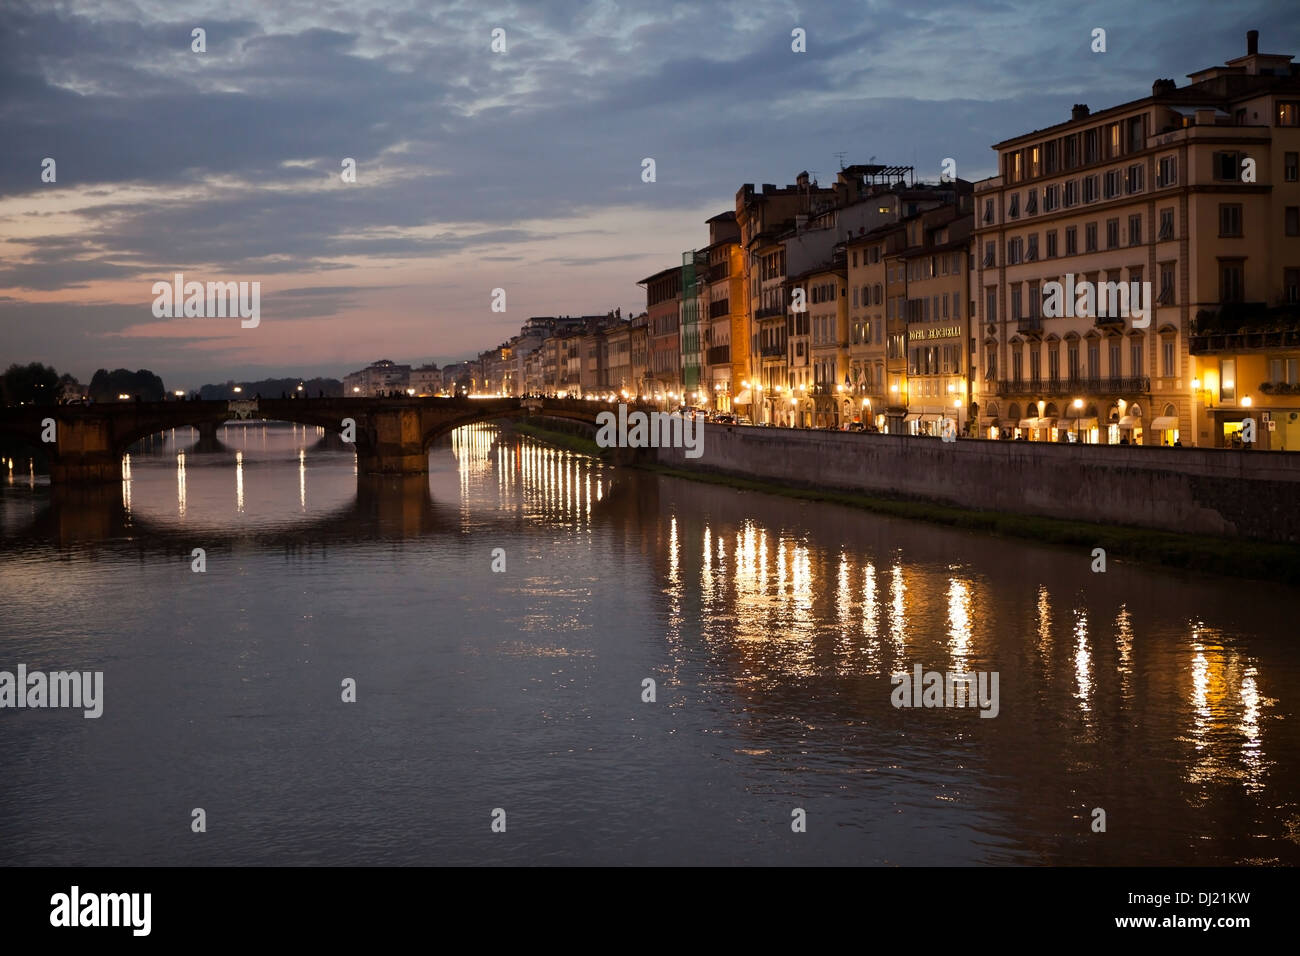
(1179, 212)
(821, 399)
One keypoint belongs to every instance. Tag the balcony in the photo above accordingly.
(1244, 341)
(1028, 326)
(719, 270)
(1068, 387)
(719, 355)
(772, 351)
(719, 308)
(770, 312)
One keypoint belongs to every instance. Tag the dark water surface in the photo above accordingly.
(769, 626)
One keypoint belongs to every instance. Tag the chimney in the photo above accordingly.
(1252, 42)
(1079, 111)
(1160, 87)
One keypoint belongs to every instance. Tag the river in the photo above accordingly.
(517, 697)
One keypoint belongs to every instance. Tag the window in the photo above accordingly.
(1135, 230)
(1094, 359)
(1166, 224)
(1291, 286)
(1292, 219)
(855, 297)
(1227, 380)
(1135, 357)
(1288, 113)
(1035, 302)
(1049, 157)
(989, 253)
(1291, 167)
(1034, 154)
(1072, 193)
(988, 210)
(1166, 283)
(1015, 302)
(991, 304)
(1013, 207)
(1051, 198)
(1116, 369)
(1135, 181)
(1051, 244)
(1032, 253)
(1015, 250)
(1112, 233)
(1071, 240)
(1167, 171)
(1110, 185)
(1071, 152)
(1091, 145)
(1090, 237)
(1054, 363)
(1135, 138)
(1072, 359)
(1229, 219)
(1031, 202)
(1017, 364)
(1090, 189)
(1114, 139)
(1035, 363)
(1226, 166)
(1167, 358)
(1230, 281)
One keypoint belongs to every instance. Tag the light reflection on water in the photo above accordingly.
(770, 627)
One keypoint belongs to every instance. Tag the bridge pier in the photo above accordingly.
(395, 445)
(84, 453)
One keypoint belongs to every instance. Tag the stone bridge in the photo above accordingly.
(86, 443)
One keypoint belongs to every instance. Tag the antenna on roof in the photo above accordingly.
(840, 156)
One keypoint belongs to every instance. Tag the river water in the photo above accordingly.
(770, 628)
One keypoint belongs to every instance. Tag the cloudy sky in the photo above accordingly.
(478, 170)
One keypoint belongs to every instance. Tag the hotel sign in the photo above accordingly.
(948, 332)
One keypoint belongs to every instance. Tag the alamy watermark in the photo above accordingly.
(36, 689)
(218, 300)
(1085, 299)
(934, 689)
(638, 429)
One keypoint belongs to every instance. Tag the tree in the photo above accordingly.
(33, 383)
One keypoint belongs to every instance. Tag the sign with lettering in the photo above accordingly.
(948, 332)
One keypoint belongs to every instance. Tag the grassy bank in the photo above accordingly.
(1233, 557)
(567, 440)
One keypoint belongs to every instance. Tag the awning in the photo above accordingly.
(1028, 423)
(1128, 421)
(1164, 422)
(930, 416)
(913, 417)
(1081, 423)
(742, 398)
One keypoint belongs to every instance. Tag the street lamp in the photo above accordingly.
(1078, 420)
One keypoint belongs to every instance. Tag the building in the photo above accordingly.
(822, 395)
(425, 380)
(639, 348)
(869, 309)
(938, 323)
(378, 378)
(663, 306)
(1190, 193)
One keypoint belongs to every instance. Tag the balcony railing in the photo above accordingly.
(769, 312)
(718, 308)
(1065, 387)
(718, 271)
(1029, 325)
(772, 351)
(1244, 341)
(719, 355)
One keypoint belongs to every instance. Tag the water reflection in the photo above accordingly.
(773, 630)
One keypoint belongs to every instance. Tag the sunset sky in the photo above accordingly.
(478, 170)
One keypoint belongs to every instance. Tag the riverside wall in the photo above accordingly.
(1253, 494)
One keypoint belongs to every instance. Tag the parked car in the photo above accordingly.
(724, 419)
(743, 420)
